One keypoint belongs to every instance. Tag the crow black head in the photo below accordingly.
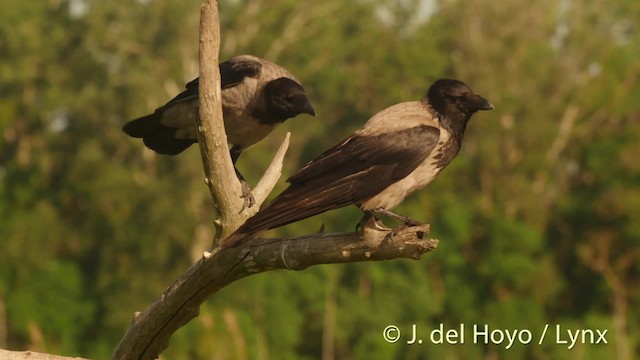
(454, 102)
(453, 98)
(285, 98)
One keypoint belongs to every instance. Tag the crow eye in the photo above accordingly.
(460, 97)
(292, 100)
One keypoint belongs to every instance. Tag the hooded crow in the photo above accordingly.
(399, 150)
(257, 96)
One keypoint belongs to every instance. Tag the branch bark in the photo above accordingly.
(151, 329)
(31, 355)
(219, 173)
(270, 177)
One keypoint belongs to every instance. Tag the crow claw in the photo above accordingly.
(249, 200)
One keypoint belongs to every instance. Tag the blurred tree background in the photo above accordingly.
(538, 216)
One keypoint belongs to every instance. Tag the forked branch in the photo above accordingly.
(152, 328)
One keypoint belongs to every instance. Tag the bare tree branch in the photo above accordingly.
(270, 177)
(212, 139)
(151, 329)
(31, 355)
(219, 172)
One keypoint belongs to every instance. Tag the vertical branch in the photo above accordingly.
(219, 172)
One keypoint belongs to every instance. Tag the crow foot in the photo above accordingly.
(407, 221)
(249, 200)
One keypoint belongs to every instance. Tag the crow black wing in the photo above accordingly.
(353, 170)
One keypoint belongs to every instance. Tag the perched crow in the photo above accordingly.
(257, 96)
(398, 151)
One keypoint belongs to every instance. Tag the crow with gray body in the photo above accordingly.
(257, 96)
(398, 151)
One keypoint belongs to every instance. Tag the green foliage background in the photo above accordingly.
(537, 217)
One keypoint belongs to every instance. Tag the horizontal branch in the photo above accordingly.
(301, 252)
(31, 355)
(150, 331)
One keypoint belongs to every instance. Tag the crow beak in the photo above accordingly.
(308, 109)
(481, 103)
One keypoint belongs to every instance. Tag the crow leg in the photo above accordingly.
(369, 220)
(404, 219)
(365, 218)
(249, 200)
(235, 151)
